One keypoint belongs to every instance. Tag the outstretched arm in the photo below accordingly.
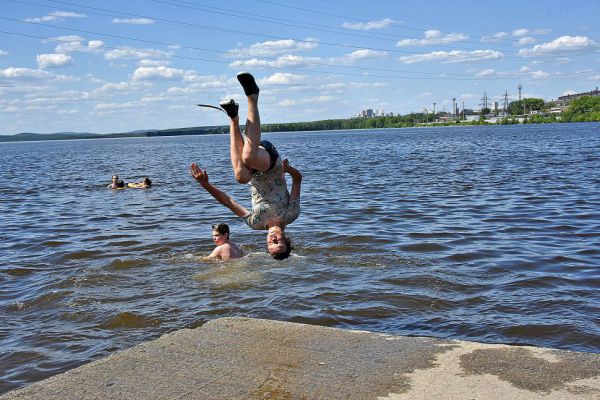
(222, 197)
(296, 180)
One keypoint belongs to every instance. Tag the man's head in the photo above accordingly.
(220, 234)
(147, 182)
(115, 179)
(120, 183)
(279, 246)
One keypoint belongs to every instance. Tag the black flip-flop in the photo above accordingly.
(248, 83)
(228, 107)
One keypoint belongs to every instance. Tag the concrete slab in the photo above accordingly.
(242, 358)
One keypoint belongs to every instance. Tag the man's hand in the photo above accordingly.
(199, 175)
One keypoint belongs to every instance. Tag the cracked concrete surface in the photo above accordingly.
(243, 358)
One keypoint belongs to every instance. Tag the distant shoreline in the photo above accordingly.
(324, 125)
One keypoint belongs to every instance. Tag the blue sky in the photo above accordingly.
(115, 66)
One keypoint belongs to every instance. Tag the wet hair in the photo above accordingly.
(223, 229)
(288, 249)
(120, 183)
(147, 182)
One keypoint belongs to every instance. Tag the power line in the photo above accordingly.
(271, 66)
(206, 27)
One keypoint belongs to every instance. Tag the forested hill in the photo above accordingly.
(76, 135)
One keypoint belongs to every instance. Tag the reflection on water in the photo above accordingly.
(479, 233)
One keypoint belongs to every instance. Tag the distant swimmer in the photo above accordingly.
(225, 249)
(116, 183)
(144, 184)
(258, 162)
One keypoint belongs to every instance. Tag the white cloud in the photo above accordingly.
(520, 32)
(132, 53)
(162, 73)
(24, 73)
(367, 26)
(153, 63)
(287, 103)
(541, 31)
(281, 78)
(562, 60)
(3, 53)
(433, 36)
(539, 74)
(73, 43)
(562, 44)
(113, 106)
(526, 40)
(454, 56)
(366, 53)
(569, 92)
(55, 16)
(53, 60)
(311, 100)
(132, 21)
(276, 47)
(112, 88)
(496, 37)
(281, 62)
(486, 72)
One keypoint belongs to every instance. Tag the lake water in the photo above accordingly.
(488, 234)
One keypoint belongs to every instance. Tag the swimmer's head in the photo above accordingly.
(147, 182)
(220, 233)
(279, 246)
(120, 183)
(115, 178)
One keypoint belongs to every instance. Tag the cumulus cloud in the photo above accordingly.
(496, 37)
(113, 106)
(74, 43)
(280, 62)
(310, 100)
(153, 63)
(162, 73)
(24, 73)
(526, 40)
(54, 60)
(562, 44)
(539, 74)
(275, 47)
(118, 87)
(433, 36)
(365, 53)
(455, 56)
(132, 21)
(520, 32)
(368, 26)
(281, 78)
(133, 53)
(3, 53)
(55, 16)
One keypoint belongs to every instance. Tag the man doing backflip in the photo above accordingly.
(258, 162)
